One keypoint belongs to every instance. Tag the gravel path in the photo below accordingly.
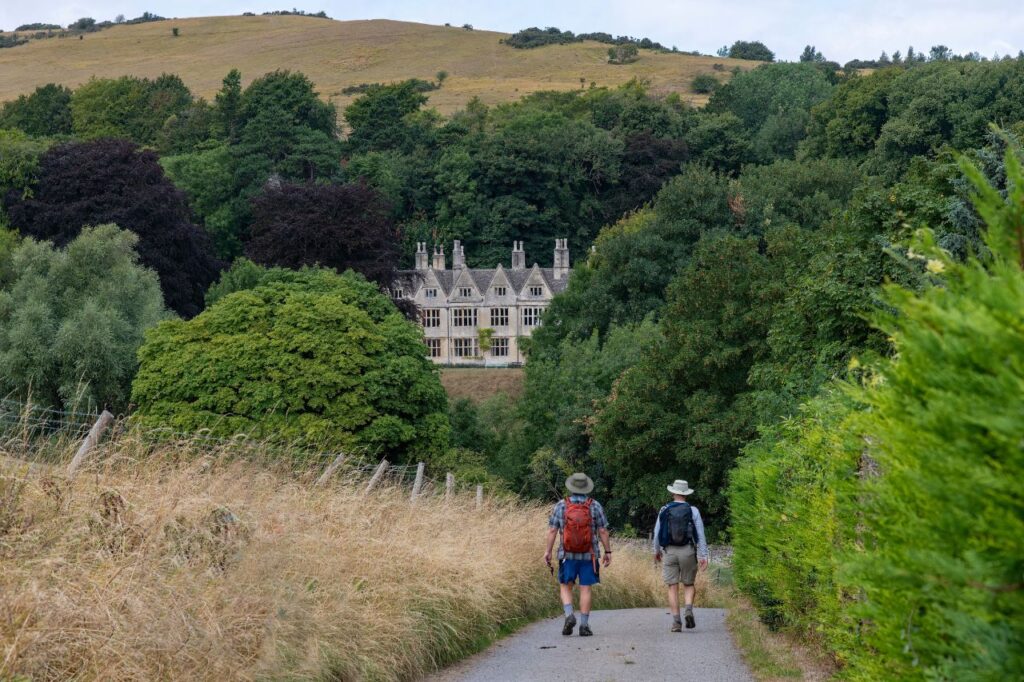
(628, 645)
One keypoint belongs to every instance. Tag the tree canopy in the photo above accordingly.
(339, 226)
(72, 319)
(321, 359)
(113, 181)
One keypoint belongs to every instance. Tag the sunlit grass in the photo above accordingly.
(163, 563)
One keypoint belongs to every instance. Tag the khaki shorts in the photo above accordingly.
(679, 565)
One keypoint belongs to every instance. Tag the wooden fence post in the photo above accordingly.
(479, 496)
(418, 483)
(90, 442)
(377, 474)
(449, 485)
(331, 468)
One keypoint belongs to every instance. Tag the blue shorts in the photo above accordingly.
(570, 569)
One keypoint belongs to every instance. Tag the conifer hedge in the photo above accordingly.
(888, 517)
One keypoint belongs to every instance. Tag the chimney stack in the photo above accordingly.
(438, 258)
(458, 256)
(421, 255)
(561, 269)
(518, 256)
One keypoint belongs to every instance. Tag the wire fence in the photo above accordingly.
(43, 435)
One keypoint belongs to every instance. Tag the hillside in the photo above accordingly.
(336, 54)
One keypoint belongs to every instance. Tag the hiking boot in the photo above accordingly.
(570, 623)
(676, 626)
(690, 623)
(585, 631)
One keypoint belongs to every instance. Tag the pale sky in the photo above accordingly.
(841, 30)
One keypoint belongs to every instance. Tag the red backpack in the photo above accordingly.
(578, 531)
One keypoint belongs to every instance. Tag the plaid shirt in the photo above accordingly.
(597, 517)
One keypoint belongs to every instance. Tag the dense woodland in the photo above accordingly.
(752, 284)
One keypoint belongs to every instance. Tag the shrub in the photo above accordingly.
(704, 83)
(71, 320)
(321, 359)
(622, 54)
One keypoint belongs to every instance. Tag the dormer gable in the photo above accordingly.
(429, 282)
(536, 286)
(501, 281)
(464, 288)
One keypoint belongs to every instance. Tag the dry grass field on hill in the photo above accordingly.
(336, 54)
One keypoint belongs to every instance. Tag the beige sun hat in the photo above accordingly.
(579, 483)
(680, 487)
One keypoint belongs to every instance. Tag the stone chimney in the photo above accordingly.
(438, 258)
(518, 256)
(458, 256)
(561, 269)
(421, 256)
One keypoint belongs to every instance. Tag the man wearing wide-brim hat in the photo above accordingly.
(581, 521)
(679, 543)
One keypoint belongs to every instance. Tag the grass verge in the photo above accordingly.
(770, 656)
(155, 565)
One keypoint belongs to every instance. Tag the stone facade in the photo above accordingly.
(462, 309)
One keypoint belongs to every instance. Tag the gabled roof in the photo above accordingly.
(482, 278)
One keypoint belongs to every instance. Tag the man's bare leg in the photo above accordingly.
(585, 599)
(688, 592)
(566, 592)
(673, 600)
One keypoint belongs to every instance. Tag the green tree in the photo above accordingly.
(744, 49)
(774, 102)
(128, 107)
(228, 105)
(46, 112)
(8, 242)
(71, 320)
(323, 360)
(379, 119)
(19, 166)
(679, 412)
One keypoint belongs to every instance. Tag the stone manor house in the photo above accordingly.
(476, 316)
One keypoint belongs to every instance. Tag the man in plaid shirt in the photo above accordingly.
(578, 565)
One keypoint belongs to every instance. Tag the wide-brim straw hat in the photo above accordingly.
(680, 488)
(579, 483)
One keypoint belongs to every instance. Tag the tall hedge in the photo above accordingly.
(323, 360)
(890, 517)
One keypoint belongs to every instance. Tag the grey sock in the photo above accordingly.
(584, 618)
(689, 609)
(677, 619)
(568, 609)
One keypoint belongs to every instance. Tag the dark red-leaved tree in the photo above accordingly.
(113, 181)
(338, 226)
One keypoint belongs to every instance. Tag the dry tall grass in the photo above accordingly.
(337, 54)
(154, 565)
